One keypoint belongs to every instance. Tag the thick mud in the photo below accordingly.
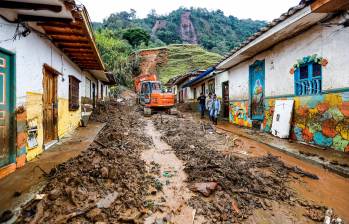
(168, 169)
(250, 189)
(106, 183)
(174, 193)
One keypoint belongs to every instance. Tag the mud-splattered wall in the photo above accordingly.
(239, 113)
(321, 120)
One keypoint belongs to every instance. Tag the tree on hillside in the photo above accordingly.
(136, 36)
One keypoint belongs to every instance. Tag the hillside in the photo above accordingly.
(174, 60)
(211, 29)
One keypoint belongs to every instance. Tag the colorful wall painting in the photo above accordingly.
(256, 77)
(239, 113)
(321, 120)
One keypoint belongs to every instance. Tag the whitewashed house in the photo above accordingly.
(301, 56)
(49, 64)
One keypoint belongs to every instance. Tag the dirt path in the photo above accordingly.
(174, 195)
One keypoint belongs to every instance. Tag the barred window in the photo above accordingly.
(73, 93)
(308, 79)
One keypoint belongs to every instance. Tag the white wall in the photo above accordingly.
(219, 78)
(238, 82)
(32, 52)
(88, 90)
(328, 42)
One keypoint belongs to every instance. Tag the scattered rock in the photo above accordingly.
(107, 201)
(54, 194)
(204, 188)
(104, 172)
(95, 215)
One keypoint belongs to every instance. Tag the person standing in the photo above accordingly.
(215, 109)
(209, 105)
(202, 103)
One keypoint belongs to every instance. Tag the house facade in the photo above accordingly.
(184, 94)
(301, 56)
(49, 67)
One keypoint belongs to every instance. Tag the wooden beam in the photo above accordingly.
(89, 62)
(80, 54)
(29, 6)
(85, 60)
(67, 41)
(95, 67)
(60, 25)
(73, 46)
(329, 6)
(32, 18)
(69, 38)
(65, 32)
(77, 50)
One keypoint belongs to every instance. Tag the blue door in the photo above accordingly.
(7, 152)
(257, 85)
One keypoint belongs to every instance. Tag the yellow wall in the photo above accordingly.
(34, 107)
(67, 120)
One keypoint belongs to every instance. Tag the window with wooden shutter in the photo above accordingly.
(73, 93)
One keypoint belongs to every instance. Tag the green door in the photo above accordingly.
(6, 110)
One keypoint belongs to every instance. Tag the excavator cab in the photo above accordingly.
(153, 98)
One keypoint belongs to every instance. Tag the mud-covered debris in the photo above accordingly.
(108, 200)
(205, 189)
(103, 182)
(6, 215)
(104, 172)
(331, 219)
(54, 194)
(246, 183)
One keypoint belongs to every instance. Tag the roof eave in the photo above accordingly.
(90, 32)
(291, 26)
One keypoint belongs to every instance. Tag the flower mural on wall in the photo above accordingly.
(321, 120)
(308, 59)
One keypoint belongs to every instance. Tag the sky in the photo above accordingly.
(242, 9)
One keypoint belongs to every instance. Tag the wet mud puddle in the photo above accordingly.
(174, 194)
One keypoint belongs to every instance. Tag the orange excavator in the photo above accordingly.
(151, 95)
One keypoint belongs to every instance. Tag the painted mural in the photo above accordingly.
(320, 120)
(239, 113)
(256, 73)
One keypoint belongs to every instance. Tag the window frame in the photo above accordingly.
(310, 79)
(74, 97)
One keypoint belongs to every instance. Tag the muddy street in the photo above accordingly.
(176, 169)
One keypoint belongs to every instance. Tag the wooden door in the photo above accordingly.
(225, 96)
(257, 90)
(7, 154)
(50, 105)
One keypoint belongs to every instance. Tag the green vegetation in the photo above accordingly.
(115, 53)
(215, 31)
(184, 58)
(123, 33)
(136, 36)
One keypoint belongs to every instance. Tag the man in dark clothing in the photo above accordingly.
(202, 102)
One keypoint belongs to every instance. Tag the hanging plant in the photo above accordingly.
(308, 59)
